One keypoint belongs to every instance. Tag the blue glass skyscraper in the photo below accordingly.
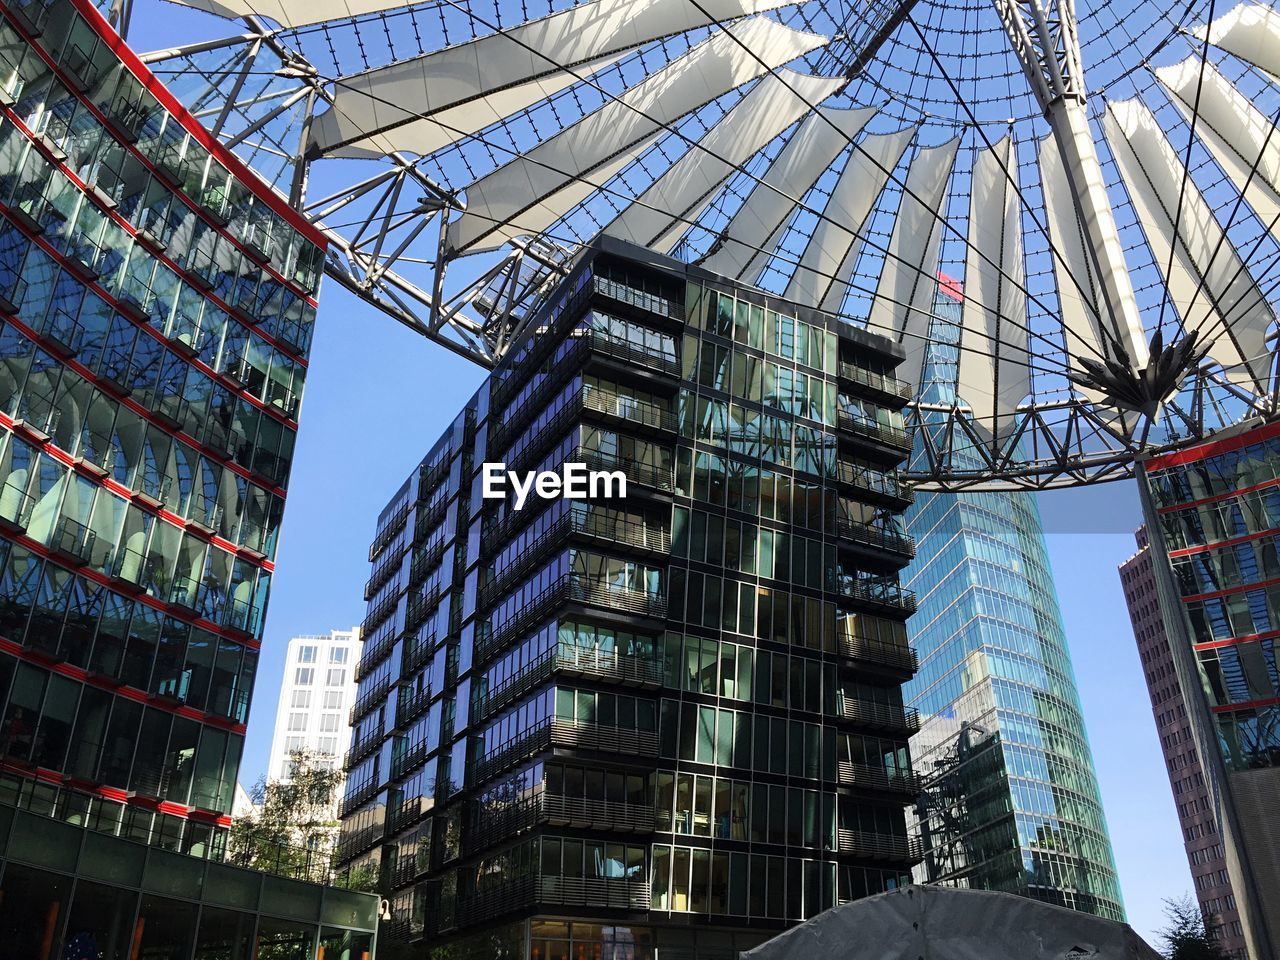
(1011, 798)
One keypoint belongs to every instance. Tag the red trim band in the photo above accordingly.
(72, 672)
(1217, 497)
(1247, 705)
(1212, 448)
(110, 483)
(1214, 594)
(1220, 544)
(178, 613)
(193, 126)
(146, 414)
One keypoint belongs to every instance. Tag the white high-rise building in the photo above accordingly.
(315, 699)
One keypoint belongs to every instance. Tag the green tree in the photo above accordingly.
(294, 829)
(1189, 935)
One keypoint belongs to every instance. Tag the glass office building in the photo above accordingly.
(1212, 512)
(672, 722)
(156, 306)
(1011, 800)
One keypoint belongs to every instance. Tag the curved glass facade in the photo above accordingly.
(1011, 799)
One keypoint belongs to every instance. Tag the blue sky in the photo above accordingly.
(377, 397)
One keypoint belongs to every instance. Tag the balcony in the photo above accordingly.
(426, 561)
(352, 845)
(358, 794)
(877, 386)
(649, 538)
(431, 477)
(552, 731)
(411, 705)
(641, 300)
(880, 846)
(416, 653)
(903, 721)
(16, 507)
(410, 812)
(598, 664)
(409, 759)
(389, 531)
(525, 893)
(381, 574)
(883, 593)
(878, 779)
(895, 438)
(363, 747)
(420, 607)
(898, 659)
(373, 652)
(72, 542)
(878, 541)
(430, 515)
(494, 824)
(571, 588)
(593, 402)
(876, 484)
(378, 615)
(370, 699)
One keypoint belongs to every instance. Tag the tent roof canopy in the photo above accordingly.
(943, 923)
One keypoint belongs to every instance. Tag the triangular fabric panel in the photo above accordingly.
(1241, 139)
(829, 257)
(413, 105)
(1078, 298)
(1205, 273)
(1250, 32)
(531, 192)
(660, 215)
(758, 225)
(994, 368)
(904, 303)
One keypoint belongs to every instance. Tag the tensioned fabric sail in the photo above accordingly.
(414, 105)
(529, 193)
(1078, 300)
(826, 265)
(757, 226)
(993, 374)
(1241, 139)
(1250, 32)
(1208, 284)
(299, 13)
(903, 307)
(661, 214)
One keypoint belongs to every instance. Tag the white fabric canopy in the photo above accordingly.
(994, 375)
(1251, 32)
(1236, 133)
(660, 215)
(903, 306)
(1078, 299)
(414, 105)
(598, 15)
(827, 263)
(1208, 285)
(756, 228)
(534, 190)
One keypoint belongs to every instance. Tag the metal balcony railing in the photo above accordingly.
(878, 383)
(880, 716)
(649, 302)
(370, 699)
(389, 531)
(426, 561)
(599, 664)
(869, 479)
(363, 747)
(374, 651)
(417, 651)
(865, 534)
(877, 592)
(357, 794)
(879, 846)
(495, 823)
(895, 437)
(524, 892)
(880, 653)
(411, 705)
(384, 609)
(904, 783)
(614, 530)
(570, 588)
(381, 574)
(551, 730)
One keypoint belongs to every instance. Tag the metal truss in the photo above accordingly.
(388, 246)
